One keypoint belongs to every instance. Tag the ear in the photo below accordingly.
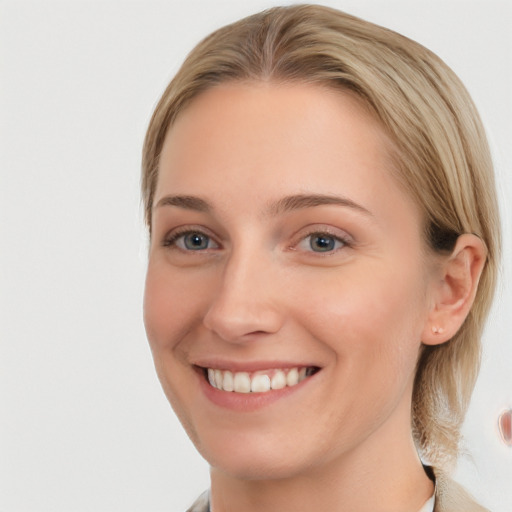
(454, 289)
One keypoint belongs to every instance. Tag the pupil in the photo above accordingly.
(322, 243)
(196, 241)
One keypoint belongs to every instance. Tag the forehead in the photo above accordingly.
(262, 138)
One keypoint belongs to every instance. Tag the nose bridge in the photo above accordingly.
(245, 302)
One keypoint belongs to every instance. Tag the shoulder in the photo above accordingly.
(452, 497)
(202, 504)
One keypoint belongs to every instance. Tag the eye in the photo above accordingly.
(322, 242)
(191, 241)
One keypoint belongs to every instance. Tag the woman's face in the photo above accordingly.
(283, 251)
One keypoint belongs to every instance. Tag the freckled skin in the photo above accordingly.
(261, 293)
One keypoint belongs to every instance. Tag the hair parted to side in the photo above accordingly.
(442, 158)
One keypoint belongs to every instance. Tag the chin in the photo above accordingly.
(259, 469)
(249, 458)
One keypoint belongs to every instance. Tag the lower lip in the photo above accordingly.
(247, 402)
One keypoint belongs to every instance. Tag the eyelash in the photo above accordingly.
(170, 241)
(345, 241)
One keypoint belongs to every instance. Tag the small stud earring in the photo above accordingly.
(437, 330)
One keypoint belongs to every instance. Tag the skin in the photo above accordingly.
(260, 292)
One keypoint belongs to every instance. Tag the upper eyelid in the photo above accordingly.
(319, 229)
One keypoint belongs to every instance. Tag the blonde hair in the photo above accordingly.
(442, 158)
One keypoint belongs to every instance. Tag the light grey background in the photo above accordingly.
(84, 425)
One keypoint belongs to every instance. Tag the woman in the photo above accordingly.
(324, 244)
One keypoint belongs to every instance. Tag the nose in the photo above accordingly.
(246, 300)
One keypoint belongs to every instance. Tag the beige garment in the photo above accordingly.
(202, 504)
(450, 497)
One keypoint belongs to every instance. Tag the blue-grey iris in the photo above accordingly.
(196, 241)
(322, 243)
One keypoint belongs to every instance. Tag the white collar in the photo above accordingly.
(429, 504)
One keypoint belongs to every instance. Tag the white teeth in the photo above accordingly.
(292, 378)
(218, 379)
(259, 382)
(227, 384)
(278, 380)
(242, 382)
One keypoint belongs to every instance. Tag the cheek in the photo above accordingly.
(368, 314)
(170, 309)
(170, 312)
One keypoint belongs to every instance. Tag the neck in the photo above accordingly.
(384, 473)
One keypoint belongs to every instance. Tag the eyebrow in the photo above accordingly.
(301, 201)
(283, 205)
(185, 202)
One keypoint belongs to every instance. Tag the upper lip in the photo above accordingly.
(250, 366)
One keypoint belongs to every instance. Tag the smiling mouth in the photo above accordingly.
(257, 382)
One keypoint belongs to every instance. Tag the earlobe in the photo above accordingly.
(455, 290)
